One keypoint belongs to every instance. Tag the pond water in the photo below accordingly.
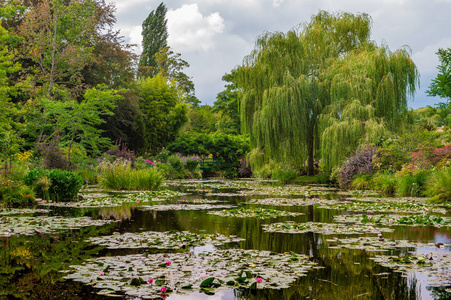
(338, 264)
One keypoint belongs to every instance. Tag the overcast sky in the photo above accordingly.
(214, 36)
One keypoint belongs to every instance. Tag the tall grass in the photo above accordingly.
(120, 176)
(385, 183)
(438, 186)
(412, 185)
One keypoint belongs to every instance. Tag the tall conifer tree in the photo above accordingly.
(155, 36)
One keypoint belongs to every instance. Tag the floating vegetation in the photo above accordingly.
(111, 201)
(378, 243)
(323, 228)
(288, 190)
(149, 275)
(201, 201)
(436, 265)
(162, 240)
(222, 194)
(182, 206)
(383, 207)
(261, 213)
(44, 224)
(418, 220)
(294, 201)
(21, 211)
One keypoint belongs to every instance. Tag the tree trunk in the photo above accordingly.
(310, 159)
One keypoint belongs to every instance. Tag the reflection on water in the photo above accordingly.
(30, 265)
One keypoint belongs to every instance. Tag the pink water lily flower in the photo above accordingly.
(102, 273)
(150, 280)
(168, 263)
(137, 200)
(258, 279)
(163, 289)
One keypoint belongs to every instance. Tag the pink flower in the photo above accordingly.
(137, 200)
(163, 289)
(90, 279)
(343, 220)
(102, 273)
(168, 263)
(258, 279)
(369, 217)
(150, 280)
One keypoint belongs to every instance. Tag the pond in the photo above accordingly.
(217, 239)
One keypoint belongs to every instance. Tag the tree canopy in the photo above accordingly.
(441, 85)
(297, 86)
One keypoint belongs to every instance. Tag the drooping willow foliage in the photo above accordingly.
(313, 87)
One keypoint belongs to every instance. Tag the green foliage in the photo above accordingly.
(328, 66)
(155, 35)
(386, 183)
(438, 187)
(200, 120)
(362, 182)
(227, 149)
(61, 185)
(14, 193)
(441, 85)
(120, 176)
(77, 121)
(176, 162)
(163, 112)
(411, 181)
(227, 106)
(284, 175)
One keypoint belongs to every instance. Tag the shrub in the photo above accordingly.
(438, 186)
(284, 175)
(120, 176)
(62, 185)
(88, 174)
(176, 163)
(245, 170)
(15, 194)
(120, 151)
(385, 183)
(52, 156)
(360, 163)
(391, 157)
(411, 181)
(362, 182)
(192, 163)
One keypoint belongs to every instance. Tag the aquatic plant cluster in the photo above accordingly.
(155, 264)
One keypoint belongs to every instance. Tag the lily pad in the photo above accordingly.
(21, 211)
(378, 243)
(182, 206)
(162, 240)
(261, 213)
(322, 228)
(294, 201)
(44, 224)
(417, 220)
(214, 271)
(436, 265)
(390, 206)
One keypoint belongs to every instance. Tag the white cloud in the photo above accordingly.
(189, 30)
(276, 3)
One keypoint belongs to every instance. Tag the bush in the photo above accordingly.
(245, 170)
(284, 175)
(120, 176)
(52, 156)
(385, 183)
(61, 185)
(192, 163)
(411, 181)
(438, 186)
(362, 182)
(176, 163)
(15, 194)
(360, 163)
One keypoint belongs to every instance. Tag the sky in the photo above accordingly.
(214, 36)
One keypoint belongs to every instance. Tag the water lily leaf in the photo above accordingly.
(207, 282)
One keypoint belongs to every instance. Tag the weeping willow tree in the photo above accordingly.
(296, 85)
